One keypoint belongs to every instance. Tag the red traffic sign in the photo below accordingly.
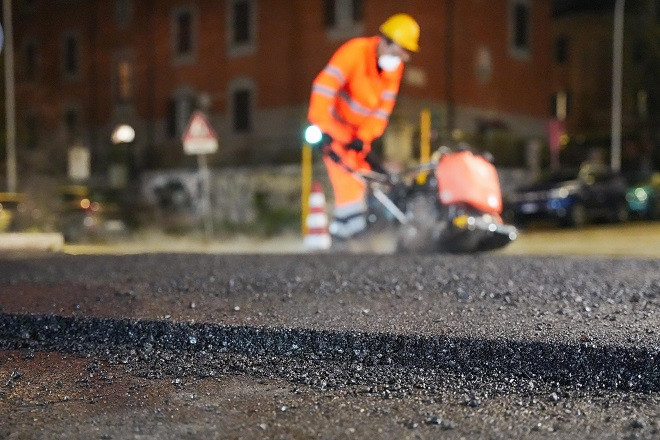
(199, 137)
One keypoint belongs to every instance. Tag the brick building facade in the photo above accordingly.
(582, 79)
(85, 66)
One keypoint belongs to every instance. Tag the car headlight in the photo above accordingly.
(561, 193)
(638, 194)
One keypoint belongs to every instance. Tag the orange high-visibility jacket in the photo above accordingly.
(350, 97)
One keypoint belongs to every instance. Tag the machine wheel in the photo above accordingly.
(422, 232)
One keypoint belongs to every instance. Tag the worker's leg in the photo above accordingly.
(350, 213)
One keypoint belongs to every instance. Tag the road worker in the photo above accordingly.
(351, 102)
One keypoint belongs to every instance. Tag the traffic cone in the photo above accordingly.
(317, 237)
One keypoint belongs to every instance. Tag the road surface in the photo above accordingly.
(189, 345)
(640, 239)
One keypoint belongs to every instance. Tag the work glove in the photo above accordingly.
(324, 146)
(356, 145)
(325, 141)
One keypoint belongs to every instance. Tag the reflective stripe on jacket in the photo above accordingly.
(350, 97)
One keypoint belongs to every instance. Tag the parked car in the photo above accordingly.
(643, 195)
(572, 197)
(87, 214)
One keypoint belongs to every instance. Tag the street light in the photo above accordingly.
(123, 134)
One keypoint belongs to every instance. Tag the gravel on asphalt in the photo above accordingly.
(451, 338)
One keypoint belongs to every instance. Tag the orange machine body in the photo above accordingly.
(464, 177)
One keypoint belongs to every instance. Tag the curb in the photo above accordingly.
(32, 241)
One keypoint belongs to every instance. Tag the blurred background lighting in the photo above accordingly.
(123, 134)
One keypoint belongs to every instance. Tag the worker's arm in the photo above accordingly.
(374, 126)
(324, 93)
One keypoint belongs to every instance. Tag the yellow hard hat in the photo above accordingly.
(403, 30)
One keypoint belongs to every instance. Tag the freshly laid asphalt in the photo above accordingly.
(539, 346)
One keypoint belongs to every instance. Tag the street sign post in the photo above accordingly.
(200, 139)
(10, 98)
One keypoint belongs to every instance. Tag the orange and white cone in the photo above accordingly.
(317, 237)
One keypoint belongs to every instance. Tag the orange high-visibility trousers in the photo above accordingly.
(350, 206)
(347, 187)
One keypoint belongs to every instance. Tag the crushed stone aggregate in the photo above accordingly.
(485, 346)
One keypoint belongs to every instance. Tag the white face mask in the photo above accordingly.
(389, 63)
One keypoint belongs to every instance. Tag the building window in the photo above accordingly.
(561, 50)
(242, 111)
(123, 12)
(31, 125)
(184, 30)
(241, 92)
(124, 79)
(184, 43)
(358, 10)
(30, 60)
(640, 51)
(179, 109)
(72, 123)
(343, 18)
(241, 27)
(27, 6)
(559, 106)
(241, 22)
(642, 104)
(329, 13)
(519, 28)
(71, 56)
(342, 13)
(484, 65)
